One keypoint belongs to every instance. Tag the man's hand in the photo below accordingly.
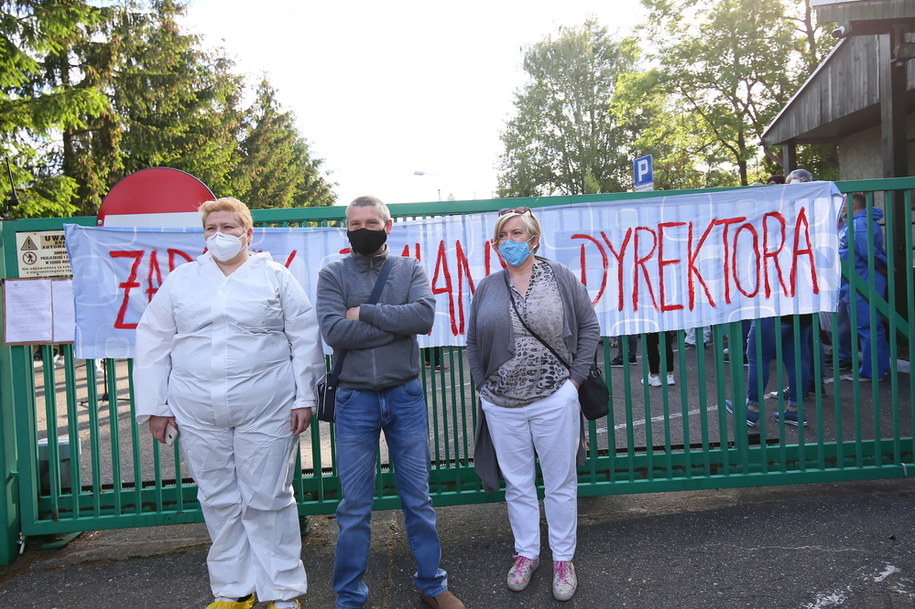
(352, 313)
(299, 420)
(157, 426)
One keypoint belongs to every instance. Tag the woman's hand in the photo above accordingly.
(157, 426)
(299, 420)
(577, 385)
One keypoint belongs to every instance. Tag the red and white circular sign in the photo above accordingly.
(159, 197)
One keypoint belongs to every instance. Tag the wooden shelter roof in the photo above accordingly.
(842, 95)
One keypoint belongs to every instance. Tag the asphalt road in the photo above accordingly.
(845, 545)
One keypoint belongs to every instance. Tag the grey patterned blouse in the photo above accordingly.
(533, 373)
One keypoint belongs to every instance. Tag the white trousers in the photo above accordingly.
(244, 480)
(548, 429)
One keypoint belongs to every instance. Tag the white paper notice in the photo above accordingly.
(64, 313)
(27, 311)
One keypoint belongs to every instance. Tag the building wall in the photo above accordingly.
(861, 156)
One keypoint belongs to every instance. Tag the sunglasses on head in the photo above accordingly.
(515, 210)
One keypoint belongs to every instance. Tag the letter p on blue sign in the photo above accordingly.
(644, 174)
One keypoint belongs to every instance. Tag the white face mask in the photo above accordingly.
(224, 247)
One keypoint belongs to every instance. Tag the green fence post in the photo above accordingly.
(10, 521)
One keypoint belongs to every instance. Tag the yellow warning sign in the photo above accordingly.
(43, 254)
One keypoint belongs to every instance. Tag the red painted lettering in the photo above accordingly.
(127, 286)
(774, 253)
(662, 262)
(153, 270)
(619, 261)
(807, 251)
(604, 266)
(728, 255)
(756, 264)
(442, 271)
(642, 263)
(692, 271)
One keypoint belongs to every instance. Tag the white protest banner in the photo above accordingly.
(649, 264)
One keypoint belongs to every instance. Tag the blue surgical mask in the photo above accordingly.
(514, 253)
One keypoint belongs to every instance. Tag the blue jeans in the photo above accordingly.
(870, 339)
(772, 329)
(361, 416)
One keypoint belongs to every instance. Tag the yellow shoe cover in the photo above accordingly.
(297, 605)
(248, 603)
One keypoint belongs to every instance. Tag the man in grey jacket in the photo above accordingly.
(379, 390)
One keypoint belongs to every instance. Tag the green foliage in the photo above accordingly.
(276, 166)
(38, 101)
(90, 94)
(563, 138)
(730, 65)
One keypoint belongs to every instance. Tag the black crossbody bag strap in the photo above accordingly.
(373, 298)
(527, 327)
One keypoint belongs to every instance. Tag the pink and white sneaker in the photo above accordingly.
(519, 576)
(564, 580)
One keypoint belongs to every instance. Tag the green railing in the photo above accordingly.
(73, 457)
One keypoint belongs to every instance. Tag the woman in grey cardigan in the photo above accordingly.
(531, 339)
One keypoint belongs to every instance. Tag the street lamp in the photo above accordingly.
(425, 173)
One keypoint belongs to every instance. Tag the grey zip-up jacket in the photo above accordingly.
(381, 345)
(490, 342)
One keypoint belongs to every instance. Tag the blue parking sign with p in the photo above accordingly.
(642, 167)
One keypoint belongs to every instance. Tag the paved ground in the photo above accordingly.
(848, 545)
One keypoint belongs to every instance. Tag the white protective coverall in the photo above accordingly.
(229, 357)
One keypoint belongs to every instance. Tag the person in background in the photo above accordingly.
(653, 353)
(379, 390)
(531, 338)
(854, 249)
(690, 339)
(798, 175)
(228, 352)
(775, 178)
(770, 330)
(632, 343)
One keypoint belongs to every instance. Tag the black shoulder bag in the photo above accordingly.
(326, 389)
(593, 395)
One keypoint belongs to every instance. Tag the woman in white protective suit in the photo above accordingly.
(228, 351)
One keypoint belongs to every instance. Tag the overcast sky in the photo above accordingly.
(383, 90)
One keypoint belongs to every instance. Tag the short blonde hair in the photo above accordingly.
(241, 211)
(531, 224)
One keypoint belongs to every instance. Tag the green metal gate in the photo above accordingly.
(74, 459)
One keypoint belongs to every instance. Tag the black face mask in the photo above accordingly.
(365, 241)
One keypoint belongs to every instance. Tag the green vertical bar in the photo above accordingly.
(93, 406)
(701, 387)
(50, 408)
(663, 341)
(721, 394)
(462, 396)
(910, 311)
(611, 415)
(892, 379)
(73, 430)
(317, 465)
(848, 269)
(627, 392)
(684, 397)
(818, 379)
(135, 443)
(872, 298)
(111, 391)
(646, 389)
